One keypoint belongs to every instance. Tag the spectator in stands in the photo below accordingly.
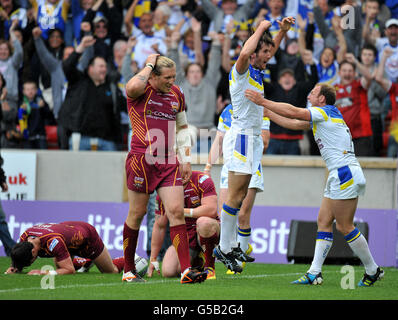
(50, 14)
(372, 26)
(33, 115)
(106, 23)
(200, 89)
(376, 95)
(92, 104)
(352, 33)
(287, 89)
(79, 10)
(392, 89)
(5, 236)
(220, 17)
(327, 66)
(148, 41)
(352, 101)
(11, 10)
(389, 41)
(10, 60)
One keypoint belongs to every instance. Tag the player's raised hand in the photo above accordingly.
(152, 58)
(286, 23)
(265, 25)
(254, 96)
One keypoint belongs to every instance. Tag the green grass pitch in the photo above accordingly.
(257, 282)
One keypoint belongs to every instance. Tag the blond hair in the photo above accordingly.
(163, 62)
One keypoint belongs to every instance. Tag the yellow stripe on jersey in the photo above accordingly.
(256, 84)
(325, 116)
(337, 120)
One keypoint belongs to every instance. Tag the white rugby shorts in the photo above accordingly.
(347, 182)
(242, 152)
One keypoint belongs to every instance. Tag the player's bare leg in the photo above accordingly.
(104, 262)
(170, 265)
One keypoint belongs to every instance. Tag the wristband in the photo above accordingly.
(150, 65)
(52, 272)
(156, 265)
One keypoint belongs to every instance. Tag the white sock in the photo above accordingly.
(324, 241)
(359, 246)
(229, 219)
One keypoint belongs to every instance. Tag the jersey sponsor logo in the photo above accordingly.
(53, 244)
(203, 178)
(160, 115)
(154, 102)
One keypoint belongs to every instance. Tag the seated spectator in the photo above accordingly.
(33, 115)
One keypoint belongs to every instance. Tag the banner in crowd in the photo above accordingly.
(270, 226)
(20, 168)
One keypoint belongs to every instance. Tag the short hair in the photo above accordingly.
(329, 92)
(21, 255)
(163, 62)
(266, 39)
(347, 62)
(193, 64)
(369, 46)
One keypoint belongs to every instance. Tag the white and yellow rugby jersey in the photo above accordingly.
(247, 117)
(332, 136)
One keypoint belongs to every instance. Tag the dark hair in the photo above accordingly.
(346, 62)
(329, 92)
(21, 255)
(369, 46)
(266, 39)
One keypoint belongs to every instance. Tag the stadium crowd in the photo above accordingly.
(64, 65)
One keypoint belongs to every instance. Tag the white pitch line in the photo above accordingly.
(144, 283)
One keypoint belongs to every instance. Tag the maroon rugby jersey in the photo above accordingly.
(352, 102)
(59, 240)
(199, 186)
(152, 117)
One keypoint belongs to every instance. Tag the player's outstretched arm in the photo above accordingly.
(292, 124)
(250, 46)
(135, 87)
(284, 109)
